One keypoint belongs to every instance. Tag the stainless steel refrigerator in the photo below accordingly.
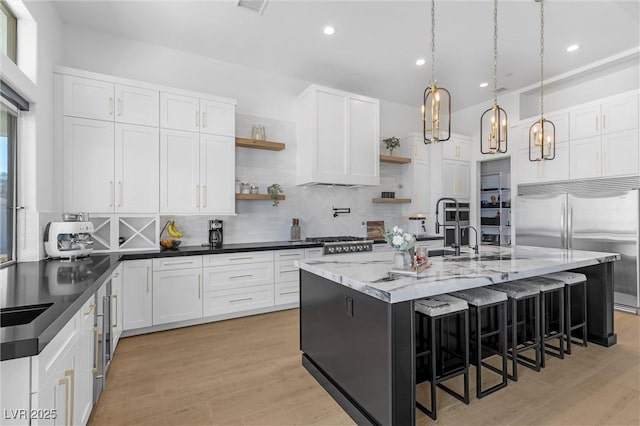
(595, 214)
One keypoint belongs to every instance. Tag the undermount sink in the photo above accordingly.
(21, 315)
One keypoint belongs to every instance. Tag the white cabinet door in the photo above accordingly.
(620, 114)
(456, 149)
(620, 153)
(286, 293)
(137, 174)
(561, 122)
(455, 179)
(137, 290)
(116, 305)
(179, 172)
(331, 128)
(88, 165)
(179, 112)
(56, 392)
(528, 171)
(558, 168)
(420, 187)
(177, 295)
(135, 105)
(217, 174)
(84, 360)
(364, 141)
(585, 158)
(221, 302)
(88, 98)
(218, 118)
(585, 122)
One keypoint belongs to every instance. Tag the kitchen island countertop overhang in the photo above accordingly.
(371, 275)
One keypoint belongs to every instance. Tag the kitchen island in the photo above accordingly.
(357, 320)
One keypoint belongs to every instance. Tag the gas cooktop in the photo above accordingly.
(343, 244)
(337, 239)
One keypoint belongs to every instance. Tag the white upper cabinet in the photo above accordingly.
(137, 169)
(136, 105)
(88, 98)
(620, 114)
(457, 149)
(102, 100)
(179, 112)
(179, 172)
(192, 114)
(620, 153)
(585, 122)
(455, 179)
(217, 174)
(338, 137)
(88, 165)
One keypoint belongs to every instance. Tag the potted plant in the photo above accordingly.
(274, 190)
(391, 144)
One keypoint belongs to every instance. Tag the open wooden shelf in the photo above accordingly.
(393, 159)
(391, 200)
(256, 197)
(250, 143)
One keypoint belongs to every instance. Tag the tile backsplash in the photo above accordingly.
(313, 205)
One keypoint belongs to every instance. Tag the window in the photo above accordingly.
(8, 120)
(8, 33)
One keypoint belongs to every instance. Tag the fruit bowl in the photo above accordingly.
(170, 244)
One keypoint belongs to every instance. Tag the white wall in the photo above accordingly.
(262, 99)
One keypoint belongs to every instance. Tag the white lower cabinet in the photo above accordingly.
(177, 295)
(116, 305)
(287, 277)
(221, 302)
(137, 304)
(286, 293)
(85, 358)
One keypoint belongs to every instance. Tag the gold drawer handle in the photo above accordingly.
(241, 300)
(289, 292)
(241, 276)
(94, 370)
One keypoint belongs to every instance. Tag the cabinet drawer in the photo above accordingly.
(381, 247)
(237, 258)
(286, 271)
(183, 262)
(234, 276)
(287, 293)
(313, 252)
(226, 301)
(289, 254)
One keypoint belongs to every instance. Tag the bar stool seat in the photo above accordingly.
(521, 296)
(480, 300)
(548, 287)
(435, 309)
(572, 280)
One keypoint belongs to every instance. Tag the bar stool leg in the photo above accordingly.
(503, 336)
(542, 322)
(584, 325)
(567, 311)
(434, 351)
(478, 351)
(537, 332)
(514, 337)
(466, 356)
(562, 324)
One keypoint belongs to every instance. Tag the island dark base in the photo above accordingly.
(360, 348)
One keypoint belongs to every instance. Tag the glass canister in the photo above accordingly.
(257, 132)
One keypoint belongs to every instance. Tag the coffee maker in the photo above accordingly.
(215, 233)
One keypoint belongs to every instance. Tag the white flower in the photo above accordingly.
(408, 237)
(395, 229)
(397, 240)
(400, 231)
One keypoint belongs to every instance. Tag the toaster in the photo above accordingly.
(68, 240)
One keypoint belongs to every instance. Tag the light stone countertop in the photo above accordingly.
(369, 273)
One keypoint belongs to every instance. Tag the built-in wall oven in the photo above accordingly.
(450, 223)
(104, 343)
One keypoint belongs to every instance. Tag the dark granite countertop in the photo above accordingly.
(68, 285)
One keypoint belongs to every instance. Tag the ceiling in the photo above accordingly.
(376, 43)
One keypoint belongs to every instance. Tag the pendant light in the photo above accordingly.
(493, 122)
(542, 133)
(436, 100)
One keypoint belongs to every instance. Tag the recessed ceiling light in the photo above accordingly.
(484, 84)
(573, 48)
(420, 62)
(329, 30)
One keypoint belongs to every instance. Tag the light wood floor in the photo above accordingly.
(248, 371)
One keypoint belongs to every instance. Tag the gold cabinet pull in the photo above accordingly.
(94, 370)
(120, 191)
(119, 107)
(115, 296)
(241, 300)
(147, 279)
(72, 377)
(110, 106)
(197, 196)
(111, 194)
(197, 118)
(199, 286)
(65, 381)
(92, 307)
(204, 119)
(241, 276)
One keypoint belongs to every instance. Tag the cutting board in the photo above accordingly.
(374, 230)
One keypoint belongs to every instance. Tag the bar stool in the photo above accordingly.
(548, 288)
(522, 296)
(480, 300)
(572, 280)
(433, 310)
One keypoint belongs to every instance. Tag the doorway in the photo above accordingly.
(495, 202)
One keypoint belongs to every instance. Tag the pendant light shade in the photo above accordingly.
(493, 122)
(542, 133)
(436, 101)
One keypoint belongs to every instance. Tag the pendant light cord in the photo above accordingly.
(433, 42)
(495, 52)
(541, 59)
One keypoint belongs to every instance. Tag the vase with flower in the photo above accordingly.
(403, 243)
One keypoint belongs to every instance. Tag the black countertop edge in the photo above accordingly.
(226, 248)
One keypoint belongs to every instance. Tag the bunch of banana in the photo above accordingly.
(172, 230)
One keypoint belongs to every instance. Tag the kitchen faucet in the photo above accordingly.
(475, 248)
(456, 237)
